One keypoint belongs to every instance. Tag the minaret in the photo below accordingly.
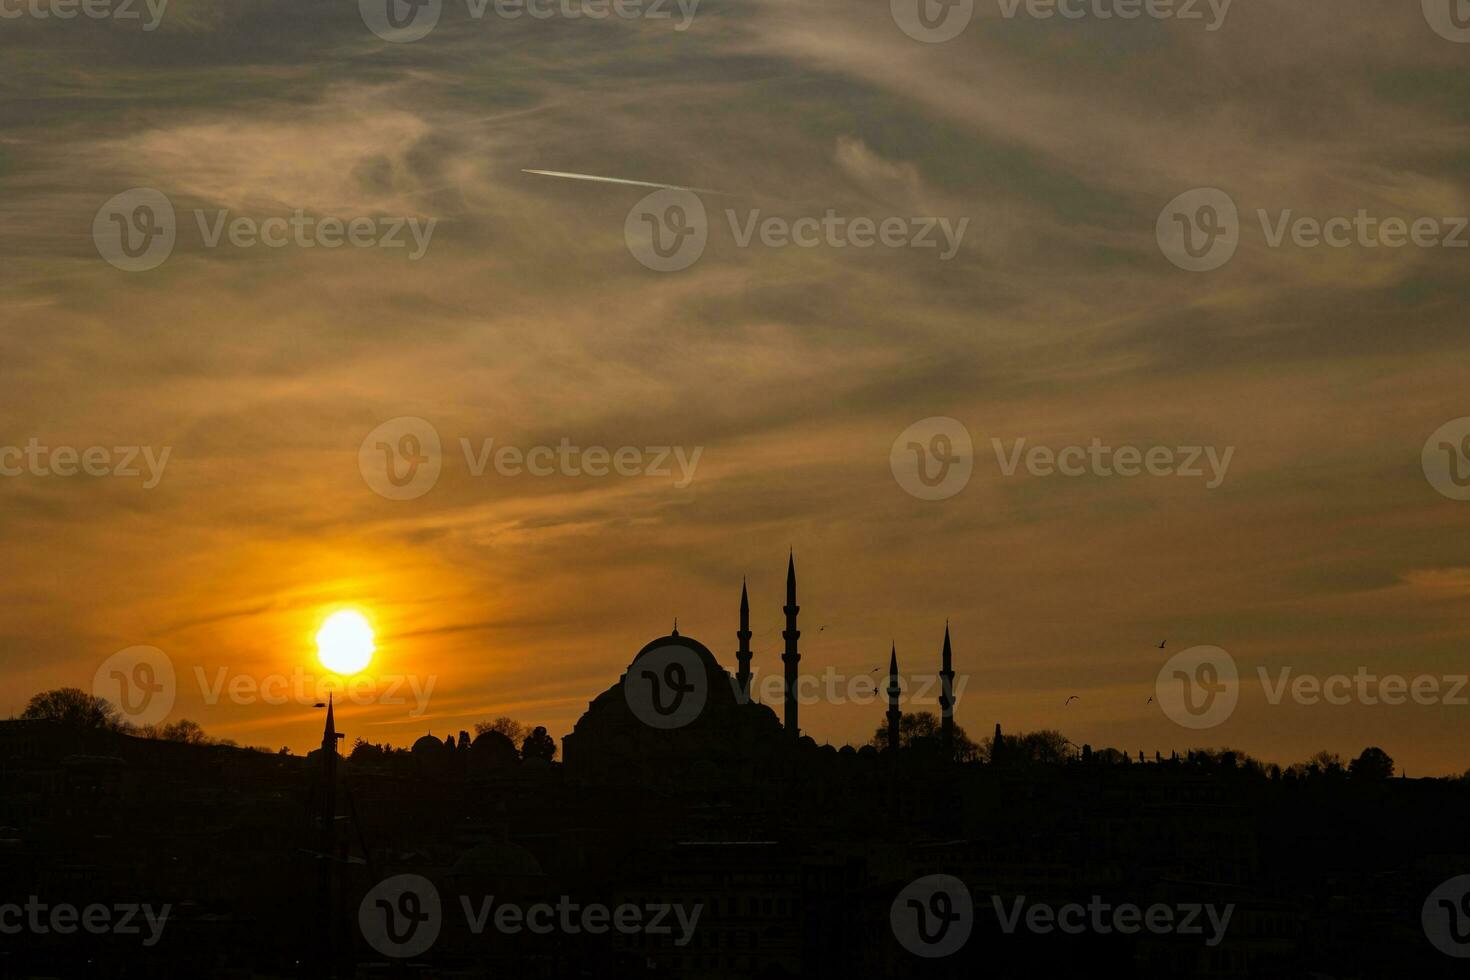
(327, 844)
(791, 657)
(742, 677)
(946, 699)
(894, 714)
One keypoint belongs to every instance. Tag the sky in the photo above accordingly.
(799, 375)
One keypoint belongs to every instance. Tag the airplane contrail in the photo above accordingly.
(621, 180)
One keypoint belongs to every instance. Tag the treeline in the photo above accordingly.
(530, 743)
(920, 732)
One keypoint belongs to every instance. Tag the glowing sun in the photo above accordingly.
(344, 644)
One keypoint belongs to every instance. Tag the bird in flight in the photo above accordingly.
(1149, 701)
(1161, 644)
(1070, 700)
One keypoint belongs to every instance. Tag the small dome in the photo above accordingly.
(493, 750)
(427, 744)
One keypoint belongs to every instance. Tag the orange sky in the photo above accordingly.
(793, 371)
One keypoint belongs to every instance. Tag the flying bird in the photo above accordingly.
(1070, 700)
(1161, 644)
(1149, 701)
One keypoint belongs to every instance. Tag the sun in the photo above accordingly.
(344, 644)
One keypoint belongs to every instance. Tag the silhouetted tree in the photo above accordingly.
(75, 707)
(1374, 764)
(923, 730)
(183, 730)
(1045, 746)
(508, 727)
(538, 745)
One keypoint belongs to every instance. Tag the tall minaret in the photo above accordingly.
(894, 714)
(742, 677)
(791, 657)
(946, 699)
(327, 843)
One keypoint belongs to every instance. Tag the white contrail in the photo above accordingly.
(620, 180)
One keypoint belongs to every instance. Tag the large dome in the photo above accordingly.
(673, 702)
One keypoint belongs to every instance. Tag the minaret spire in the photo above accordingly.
(742, 677)
(946, 698)
(792, 656)
(326, 799)
(894, 714)
(330, 735)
